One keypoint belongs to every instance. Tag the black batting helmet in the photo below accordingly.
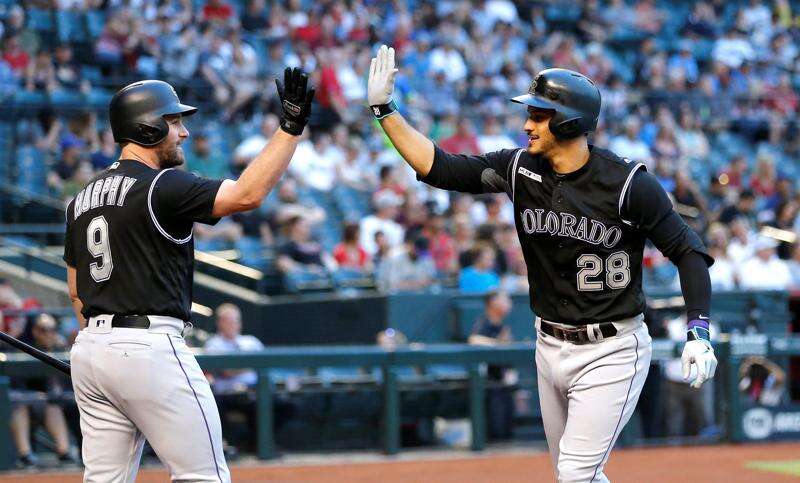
(573, 98)
(137, 112)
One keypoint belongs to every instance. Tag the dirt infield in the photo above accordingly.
(706, 464)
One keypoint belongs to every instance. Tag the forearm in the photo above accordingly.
(412, 145)
(263, 173)
(695, 285)
(77, 306)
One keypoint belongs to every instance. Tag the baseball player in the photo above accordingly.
(130, 256)
(582, 216)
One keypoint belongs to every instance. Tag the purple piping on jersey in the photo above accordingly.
(208, 430)
(613, 436)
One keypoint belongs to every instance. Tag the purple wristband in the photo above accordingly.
(703, 324)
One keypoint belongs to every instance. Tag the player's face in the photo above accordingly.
(537, 127)
(170, 152)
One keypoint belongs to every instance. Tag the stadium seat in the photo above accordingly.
(71, 26)
(25, 97)
(95, 22)
(62, 99)
(42, 21)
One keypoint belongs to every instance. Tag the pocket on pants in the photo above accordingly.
(131, 370)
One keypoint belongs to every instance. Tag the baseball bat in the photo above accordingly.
(33, 351)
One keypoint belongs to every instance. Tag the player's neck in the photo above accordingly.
(143, 155)
(570, 156)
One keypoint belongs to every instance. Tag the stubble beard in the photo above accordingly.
(170, 156)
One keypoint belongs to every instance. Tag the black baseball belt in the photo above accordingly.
(578, 335)
(130, 322)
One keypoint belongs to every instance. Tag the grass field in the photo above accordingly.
(761, 463)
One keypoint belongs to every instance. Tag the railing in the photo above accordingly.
(738, 418)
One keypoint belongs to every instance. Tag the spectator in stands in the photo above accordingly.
(40, 73)
(794, 266)
(67, 72)
(17, 58)
(743, 208)
(229, 339)
(736, 172)
(11, 321)
(630, 146)
(40, 397)
(463, 140)
(764, 270)
(203, 160)
(252, 145)
(301, 258)
(217, 12)
(71, 155)
(691, 140)
(493, 138)
(480, 277)
(317, 167)
(241, 79)
(490, 330)
(733, 49)
(255, 17)
(386, 205)
(688, 195)
(740, 247)
(442, 245)
(764, 179)
(105, 152)
(388, 183)
(407, 268)
(349, 254)
(357, 170)
(290, 206)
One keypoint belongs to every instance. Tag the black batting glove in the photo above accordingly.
(296, 100)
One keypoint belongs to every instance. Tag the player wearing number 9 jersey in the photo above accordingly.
(130, 256)
(583, 215)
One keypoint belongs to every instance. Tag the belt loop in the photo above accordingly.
(590, 332)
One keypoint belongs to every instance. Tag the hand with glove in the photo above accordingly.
(380, 84)
(296, 100)
(698, 352)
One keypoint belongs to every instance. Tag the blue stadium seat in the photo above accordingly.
(95, 22)
(25, 97)
(67, 98)
(71, 26)
(92, 73)
(31, 170)
(41, 20)
(98, 98)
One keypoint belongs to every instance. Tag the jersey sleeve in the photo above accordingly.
(648, 208)
(484, 173)
(182, 196)
(69, 250)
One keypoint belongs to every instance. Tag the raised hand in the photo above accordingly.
(382, 72)
(296, 100)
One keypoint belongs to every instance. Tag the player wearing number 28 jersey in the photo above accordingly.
(583, 216)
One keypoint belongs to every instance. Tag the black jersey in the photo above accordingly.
(129, 238)
(582, 244)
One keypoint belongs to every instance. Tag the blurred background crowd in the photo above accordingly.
(705, 93)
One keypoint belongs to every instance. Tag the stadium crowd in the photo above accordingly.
(705, 93)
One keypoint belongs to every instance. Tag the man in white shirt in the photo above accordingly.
(628, 145)
(493, 138)
(733, 49)
(386, 204)
(252, 145)
(229, 338)
(765, 271)
(317, 167)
